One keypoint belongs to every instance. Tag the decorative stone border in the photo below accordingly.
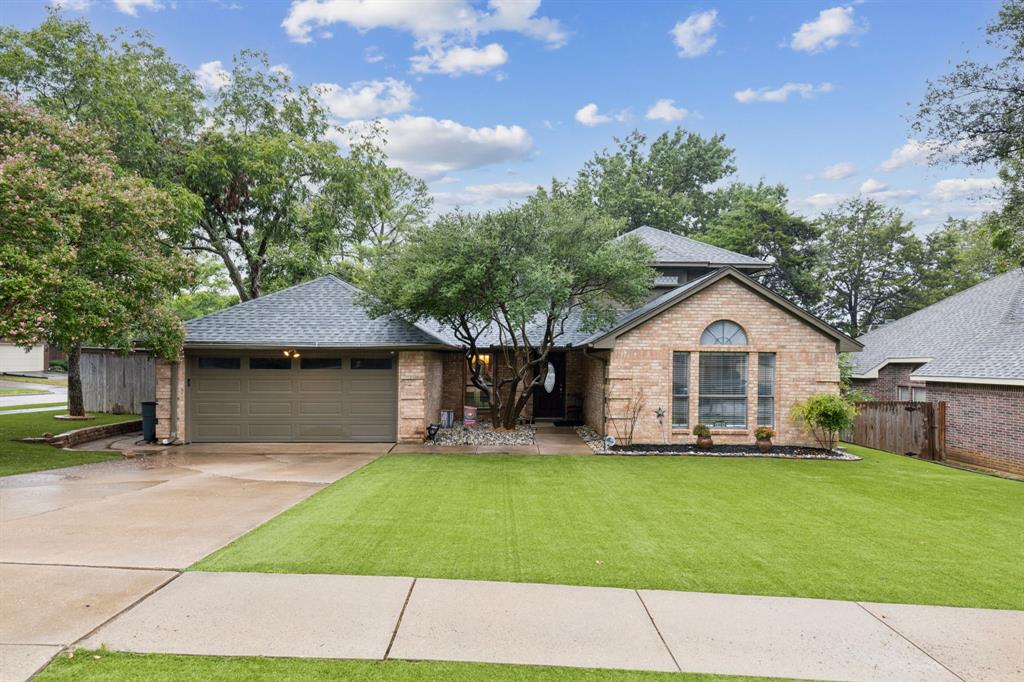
(70, 439)
(481, 434)
(596, 443)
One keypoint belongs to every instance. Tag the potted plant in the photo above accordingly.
(703, 434)
(764, 436)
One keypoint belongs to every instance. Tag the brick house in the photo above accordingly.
(966, 350)
(712, 346)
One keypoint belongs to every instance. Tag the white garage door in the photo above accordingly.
(268, 397)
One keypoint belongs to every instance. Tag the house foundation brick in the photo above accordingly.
(420, 387)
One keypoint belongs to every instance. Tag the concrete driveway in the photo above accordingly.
(79, 545)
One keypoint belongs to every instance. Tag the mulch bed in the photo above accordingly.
(782, 451)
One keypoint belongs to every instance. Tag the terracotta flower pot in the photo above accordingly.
(764, 445)
(705, 442)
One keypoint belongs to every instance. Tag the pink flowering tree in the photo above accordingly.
(86, 249)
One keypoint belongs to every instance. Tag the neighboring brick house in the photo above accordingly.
(968, 351)
(711, 346)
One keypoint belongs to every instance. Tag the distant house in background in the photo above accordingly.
(966, 350)
(17, 359)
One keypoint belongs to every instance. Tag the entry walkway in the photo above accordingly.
(332, 616)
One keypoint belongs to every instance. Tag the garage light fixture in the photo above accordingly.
(291, 353)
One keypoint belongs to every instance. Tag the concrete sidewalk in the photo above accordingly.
(333, 616)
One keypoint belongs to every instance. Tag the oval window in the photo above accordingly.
(549, 380)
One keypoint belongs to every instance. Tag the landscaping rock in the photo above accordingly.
(482, 434)
(597, 444)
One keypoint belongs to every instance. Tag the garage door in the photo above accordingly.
(267, 397)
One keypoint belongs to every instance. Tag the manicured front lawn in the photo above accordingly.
(19, 458)
(34, 380)
(117, 666)
(21, 391)
(32, 406)
(887, 528)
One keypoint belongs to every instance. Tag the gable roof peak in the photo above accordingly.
(675, 249)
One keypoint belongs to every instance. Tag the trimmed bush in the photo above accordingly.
(824, 416)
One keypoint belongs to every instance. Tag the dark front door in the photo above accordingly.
(550, 404)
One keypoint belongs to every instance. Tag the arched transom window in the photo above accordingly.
(723, 333)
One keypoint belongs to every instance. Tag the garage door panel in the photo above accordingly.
(302, 405)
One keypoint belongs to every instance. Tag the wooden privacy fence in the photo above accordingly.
(117, 383)
(901, 426)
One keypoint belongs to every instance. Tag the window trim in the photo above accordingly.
(736, 397)
(715, 341)
(903, 393)
(771, 396)
(685, 424)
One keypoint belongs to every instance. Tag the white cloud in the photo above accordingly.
(589, 115)
(838, 171)
(871, 186)
(72, 5)
(694, 36)
(212, 76)
(824, 199)
(366, 99)
(132, 6)
(923, 153)
(781, 94)
(372, 55)
(825, 32)
(666, 110)
(431, 22)
(960, 188)
(456, 61)
(431, 148)
(488, 194)
(282, 69)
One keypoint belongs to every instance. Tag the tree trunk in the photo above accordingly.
(76, 402)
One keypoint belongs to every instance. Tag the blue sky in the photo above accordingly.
(486, 100)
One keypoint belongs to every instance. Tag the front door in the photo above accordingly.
(549, 396)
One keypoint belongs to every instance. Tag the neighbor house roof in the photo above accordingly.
(675, 249)
(976, 336)
(634, 318)
(323, 312)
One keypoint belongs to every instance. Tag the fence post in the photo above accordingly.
(940, 430)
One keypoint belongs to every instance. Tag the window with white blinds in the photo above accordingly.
(766, 389)
(723, 390)
(680, 390)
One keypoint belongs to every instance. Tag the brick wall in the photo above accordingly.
(983, 424)
(593, 390)
(420, 378)
(453, 387)
(806, 363)
(889, 378)
(164, 426)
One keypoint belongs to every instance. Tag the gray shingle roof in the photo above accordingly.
(673, 248)
(322, 312)
(976, 334)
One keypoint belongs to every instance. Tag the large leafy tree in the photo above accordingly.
(84, 255)
(507, 282)
(756, 222)
(871, 258)
(664, 184)
(975, 114)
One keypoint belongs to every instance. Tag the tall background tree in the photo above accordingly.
(84, 245)
(975, 115)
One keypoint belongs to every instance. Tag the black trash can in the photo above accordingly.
(149, 421)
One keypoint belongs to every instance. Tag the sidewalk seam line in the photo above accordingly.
(125, 610)
(398, 623)
(912, 642)
(658, 630)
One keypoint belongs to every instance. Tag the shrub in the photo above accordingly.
(824, 416)
(701, 431)
(58, 365)
(764, 433)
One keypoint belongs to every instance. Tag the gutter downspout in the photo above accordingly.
(604, 387)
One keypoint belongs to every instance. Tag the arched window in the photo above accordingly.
(723, 333)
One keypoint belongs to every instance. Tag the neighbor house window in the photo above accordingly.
(270, 363)
(766, 389)
(370, 363)
(723, 390)
(474, 396)
(918, 395)
(320, 363)
(723, 333)
(902, 393)
(219, 363)
(680, 390)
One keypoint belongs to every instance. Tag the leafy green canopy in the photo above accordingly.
(511, 280)
(85, 251)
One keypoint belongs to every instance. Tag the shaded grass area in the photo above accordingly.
(22, 391)
(20, 458)
(30, 406)
(887, 528)
(108, 666)
(34, 380)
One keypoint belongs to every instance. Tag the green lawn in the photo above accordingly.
(887, 528)
(8, 408)
(33, 380)
(21, 391)
(86, 666)
(19, 458)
